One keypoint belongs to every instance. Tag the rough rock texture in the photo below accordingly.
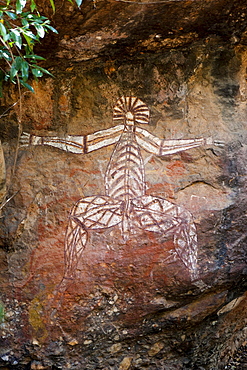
(129, 307)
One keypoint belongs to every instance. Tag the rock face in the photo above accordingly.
(131, 303)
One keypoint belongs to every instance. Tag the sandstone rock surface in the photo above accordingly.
(129, 306)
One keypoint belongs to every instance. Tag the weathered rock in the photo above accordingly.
(130, 306)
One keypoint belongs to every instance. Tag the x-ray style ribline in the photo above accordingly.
(125, 203)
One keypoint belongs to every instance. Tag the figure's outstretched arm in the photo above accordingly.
(161, 147)
(75, 144)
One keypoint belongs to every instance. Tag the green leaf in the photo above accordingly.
(51, 28)
(24, 70)
(36, 72)
(25, 22)
(78, 2)
(28, 15)
(42, 69)
(16, 37)
(33, 56)
(27, 85)
(29, 41)
(3, 32)
(5, 54)
(11, 14)
(29, 34)
(33, 5)
(13, 72)
(53, 5)
(6, 77)
(40, 30)
(20, 4)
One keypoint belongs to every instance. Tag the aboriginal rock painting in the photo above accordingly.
(125, 203)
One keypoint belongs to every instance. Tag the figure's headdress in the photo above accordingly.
(135, 106)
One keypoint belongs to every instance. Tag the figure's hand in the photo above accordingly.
(219, 143)
(25, 139)
(210, 141)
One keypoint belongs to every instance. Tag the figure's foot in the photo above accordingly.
(63, 285)
(56, 300)
(194, 275)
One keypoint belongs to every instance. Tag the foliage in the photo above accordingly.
(78, 2)
(19, 31)
(21, 28)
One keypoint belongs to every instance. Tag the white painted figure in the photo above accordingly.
(125, 203)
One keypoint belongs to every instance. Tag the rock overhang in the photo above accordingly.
(114, 28)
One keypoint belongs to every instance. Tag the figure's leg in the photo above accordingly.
(185, 240)
(158, 215)
(75, 241)
(89, 213)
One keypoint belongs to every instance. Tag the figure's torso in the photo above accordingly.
(124, 179)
